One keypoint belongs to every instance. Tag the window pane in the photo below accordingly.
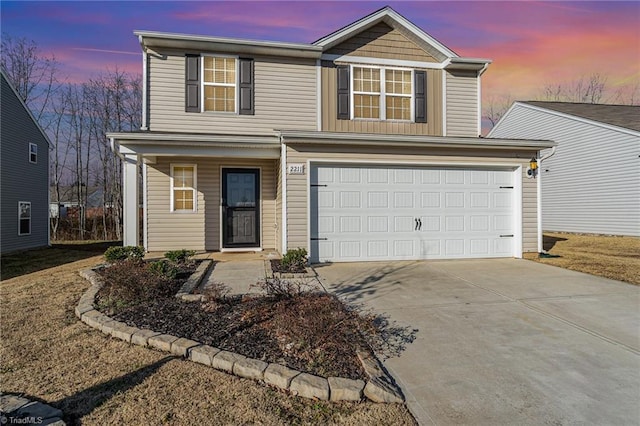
(398, 108)
(366, 106)
(219, 98)
(183, 177)
(398, 81)
(219, 70)
(183, 199)
(25, 226)
(366, 80)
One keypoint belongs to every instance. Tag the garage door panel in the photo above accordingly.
(377, 213)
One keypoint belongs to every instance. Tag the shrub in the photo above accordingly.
(119, 254)
(180, 256)
(279, 288)
(295, 259)
(163, 268)
(130, 282)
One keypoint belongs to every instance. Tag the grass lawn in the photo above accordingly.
(47, 354)
(617, 258)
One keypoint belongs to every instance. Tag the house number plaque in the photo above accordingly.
(295, 169)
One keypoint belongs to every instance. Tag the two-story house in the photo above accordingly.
(363, 145)
(24, 180)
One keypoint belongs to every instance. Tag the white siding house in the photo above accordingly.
(592, 182)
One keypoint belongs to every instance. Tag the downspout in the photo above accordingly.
(144, 84)
(539, 193)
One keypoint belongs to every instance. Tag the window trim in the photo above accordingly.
(33, 145)
(20, 203)
(236, 85)
(194, 188)
(383, 93)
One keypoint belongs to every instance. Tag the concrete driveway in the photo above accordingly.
(505, 341)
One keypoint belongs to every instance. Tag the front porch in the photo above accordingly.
(201, 192)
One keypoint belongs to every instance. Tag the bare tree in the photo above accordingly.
(33, 74)
(497, 107)
(591, 89)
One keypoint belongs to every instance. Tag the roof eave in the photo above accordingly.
(331, 138)
(154, 40)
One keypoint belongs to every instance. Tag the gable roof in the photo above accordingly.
(625, 116)
(450, 60)
(394, 20)
(15, 93)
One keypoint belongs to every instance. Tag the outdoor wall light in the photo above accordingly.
(532, 171)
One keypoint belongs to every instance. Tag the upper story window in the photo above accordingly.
(183, 188)
(219, 83)
(33, 153)
(382, 93)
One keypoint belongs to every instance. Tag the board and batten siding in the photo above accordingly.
(297, 185)
(330, 122)
(462, 103)
(383, 42)
(592, 183)
(285, 98)
(21, 180)
(201, 230)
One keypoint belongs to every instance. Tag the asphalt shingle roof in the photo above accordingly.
(627, 116)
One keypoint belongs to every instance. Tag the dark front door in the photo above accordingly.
(240, 208)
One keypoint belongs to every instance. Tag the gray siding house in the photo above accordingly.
(24, 180)
(591, 184)
(362, 145)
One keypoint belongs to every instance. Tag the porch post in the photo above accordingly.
(130, 184)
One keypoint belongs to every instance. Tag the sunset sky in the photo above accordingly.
(532, 44)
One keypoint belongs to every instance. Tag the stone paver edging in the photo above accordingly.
(185, 292)
(379, 387)
(19, 410)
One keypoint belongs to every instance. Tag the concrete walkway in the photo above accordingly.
(505, 341)
(240, 276)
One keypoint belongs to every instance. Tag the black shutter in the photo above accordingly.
(421, 96)
(344, 81)
(192, 83)
(246, 87)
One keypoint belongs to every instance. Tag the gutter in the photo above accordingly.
(539, 194)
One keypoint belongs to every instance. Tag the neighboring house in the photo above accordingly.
(360, 146)
(24, 175)
(67, 202)
(592, 182)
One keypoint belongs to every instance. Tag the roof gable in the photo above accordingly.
(3, 75)
(395, 21)
(382, 41)
(625, 116)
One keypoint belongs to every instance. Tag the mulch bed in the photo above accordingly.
(309, 332)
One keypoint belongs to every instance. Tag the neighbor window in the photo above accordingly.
(183, 188)
(373, 99)
(24, 218)
(219, 84)
(33, 153)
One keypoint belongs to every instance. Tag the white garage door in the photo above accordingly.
(382, 213)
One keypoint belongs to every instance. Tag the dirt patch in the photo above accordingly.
(617, 258)
(49, 355)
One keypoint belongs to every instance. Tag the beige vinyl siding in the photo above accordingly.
(285, 98)
(297, 191)
(330, 123)
(382, 41)
(462, 103)
(201, 230)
